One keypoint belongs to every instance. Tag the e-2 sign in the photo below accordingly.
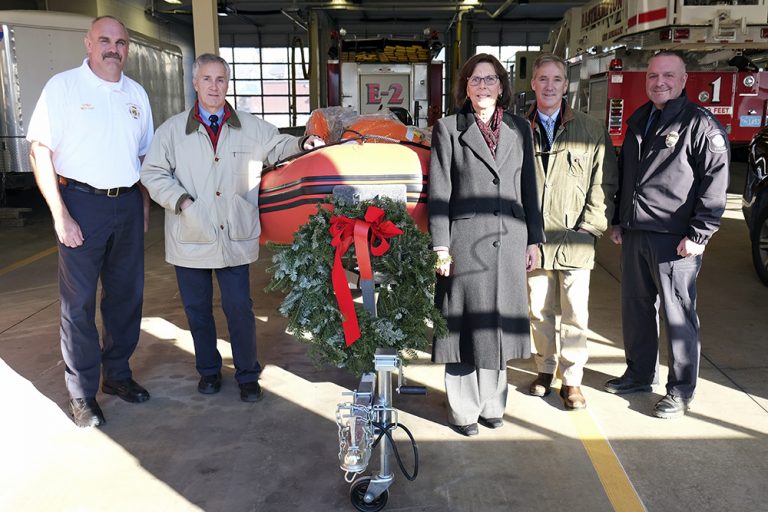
(383, 91)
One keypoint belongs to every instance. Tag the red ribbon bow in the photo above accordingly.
(345, 231)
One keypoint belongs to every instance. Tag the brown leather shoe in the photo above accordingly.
(572, 397)
(541, 386)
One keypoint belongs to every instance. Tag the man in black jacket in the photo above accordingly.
(672, 192)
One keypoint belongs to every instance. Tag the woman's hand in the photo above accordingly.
(443, 266)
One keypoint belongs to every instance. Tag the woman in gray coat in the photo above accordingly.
(485, 222)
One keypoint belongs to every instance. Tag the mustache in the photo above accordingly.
(111, 55)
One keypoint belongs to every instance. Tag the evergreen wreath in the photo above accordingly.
(405, 281)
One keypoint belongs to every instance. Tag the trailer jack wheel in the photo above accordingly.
(357, 496)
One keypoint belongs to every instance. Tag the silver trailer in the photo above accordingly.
(35, 45)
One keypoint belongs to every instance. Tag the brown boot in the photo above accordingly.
(572, 397)
(541, 386)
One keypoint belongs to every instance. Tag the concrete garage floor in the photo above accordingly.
(184, 451)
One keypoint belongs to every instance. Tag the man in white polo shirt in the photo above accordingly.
(90, 128)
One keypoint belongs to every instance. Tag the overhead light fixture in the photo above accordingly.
(173, 2)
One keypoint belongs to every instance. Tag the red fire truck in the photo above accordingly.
(369, 74)
(607, 44)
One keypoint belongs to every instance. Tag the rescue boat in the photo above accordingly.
(290, 191)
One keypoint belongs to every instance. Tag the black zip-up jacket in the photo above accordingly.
(678, 185)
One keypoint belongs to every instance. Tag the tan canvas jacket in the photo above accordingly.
(576, 190)
(221, 228)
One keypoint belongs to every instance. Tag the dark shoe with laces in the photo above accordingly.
(209, 384)
(671, 407)
(251, 392)
(624, 385)
(129, 390)
(542, 385)
(572, 397)
(466, 430)
(86, 412)
(492, 422)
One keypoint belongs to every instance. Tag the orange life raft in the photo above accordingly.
(290, 192)
(388, 128)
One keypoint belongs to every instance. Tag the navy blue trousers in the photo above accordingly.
(196, 287)
(113, 252)
(654, 279)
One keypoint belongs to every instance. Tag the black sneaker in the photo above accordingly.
(209, 384)
(251, 392)
(623, 385)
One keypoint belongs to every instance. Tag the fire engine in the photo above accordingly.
(397, 73)
(607, 44)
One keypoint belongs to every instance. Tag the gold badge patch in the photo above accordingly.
(671, 139)
(134, 111)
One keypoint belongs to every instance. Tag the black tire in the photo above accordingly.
(357, 496)
(760, 245)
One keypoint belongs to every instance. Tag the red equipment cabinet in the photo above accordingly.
(737, 99)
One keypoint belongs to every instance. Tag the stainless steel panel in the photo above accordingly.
(349, 86)
(30, 54)
(420, 94)
(13, 148)
(14, 155)
(158, 67)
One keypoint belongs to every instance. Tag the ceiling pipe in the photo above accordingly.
(166, 16)
(401, 6)
(231, 9)
(504, 7)
(388, 7)
(298, 22)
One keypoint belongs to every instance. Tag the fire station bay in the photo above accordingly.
(339, 255)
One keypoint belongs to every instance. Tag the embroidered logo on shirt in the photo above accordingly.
(86, 106)
(134, 111)
(716, 142)
(671, 139)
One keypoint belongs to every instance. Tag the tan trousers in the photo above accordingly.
(569, 288)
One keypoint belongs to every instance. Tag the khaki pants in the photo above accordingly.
(571, 287)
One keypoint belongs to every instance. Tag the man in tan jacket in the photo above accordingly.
(204, 168)
(577, 177)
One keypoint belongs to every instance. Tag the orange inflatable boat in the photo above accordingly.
(290, 192)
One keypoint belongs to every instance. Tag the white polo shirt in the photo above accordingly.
(96, 129)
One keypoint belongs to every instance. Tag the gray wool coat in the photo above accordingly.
(485, 211)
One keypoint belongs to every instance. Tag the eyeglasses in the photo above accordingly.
(489, 80)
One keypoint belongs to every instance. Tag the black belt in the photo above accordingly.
(84, 187)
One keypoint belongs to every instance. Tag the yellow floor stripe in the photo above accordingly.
(618, 488)
(27, 261)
